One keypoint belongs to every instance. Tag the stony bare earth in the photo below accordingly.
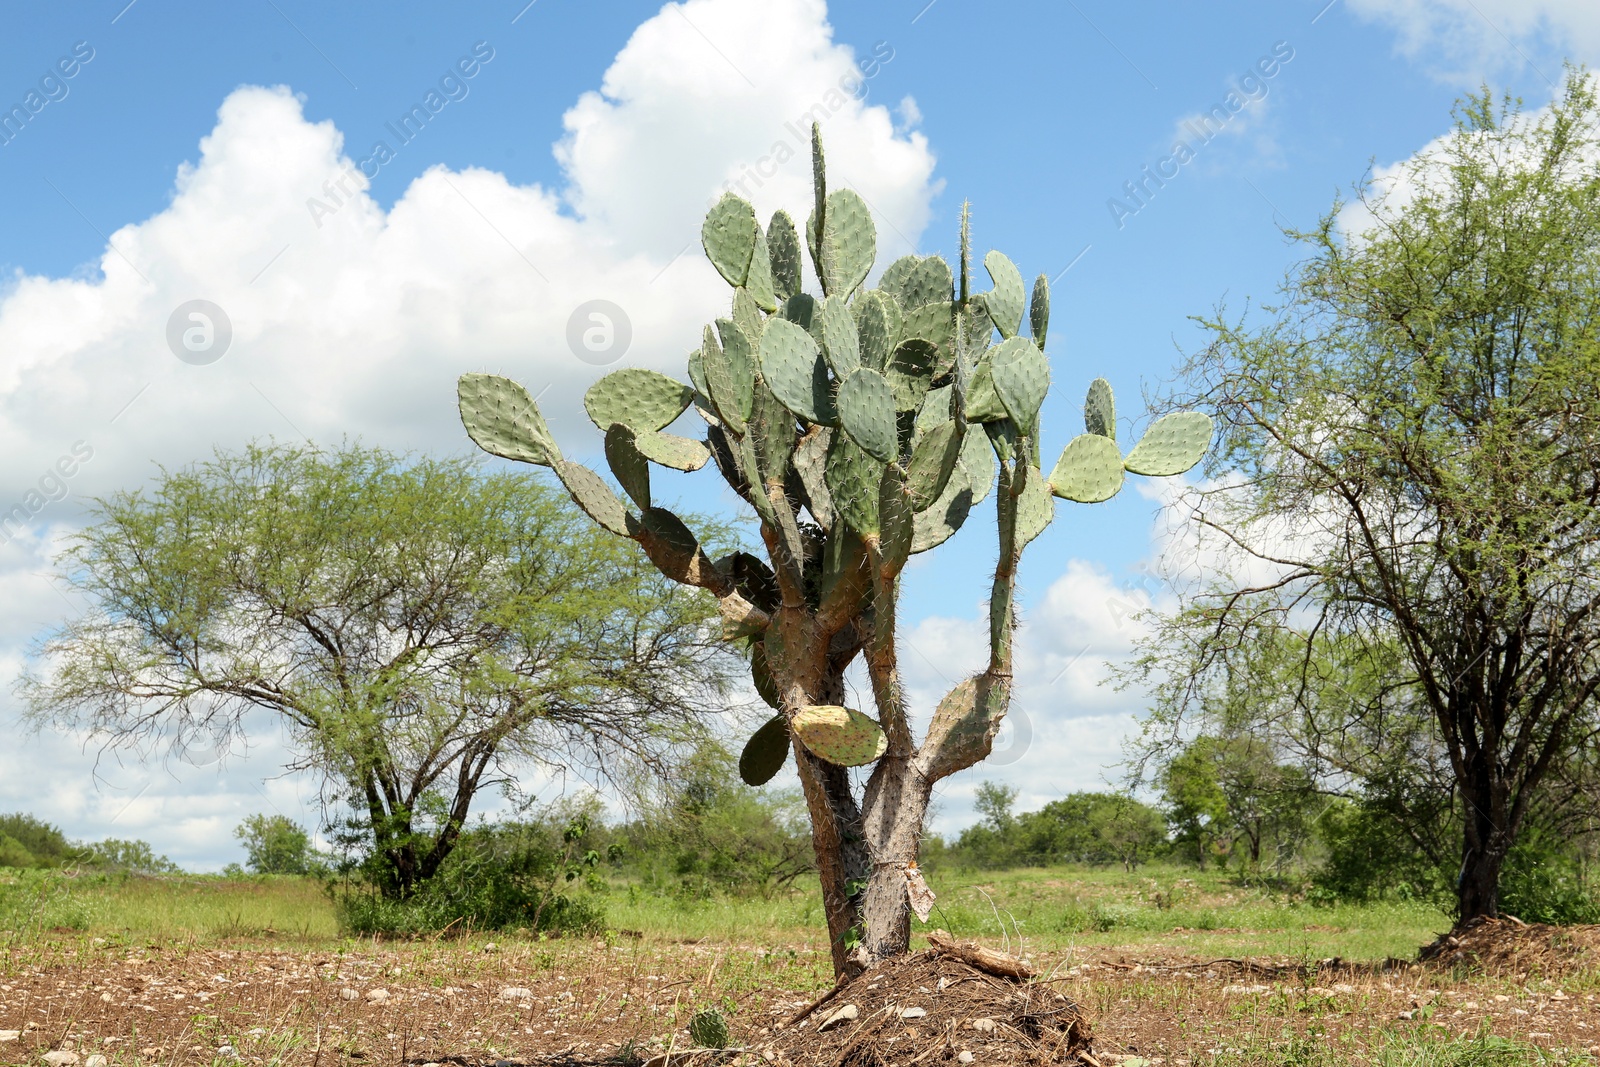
(569, 1002)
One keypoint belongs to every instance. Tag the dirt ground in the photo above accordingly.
(592, 1002)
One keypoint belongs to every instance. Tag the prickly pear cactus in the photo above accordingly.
(708, 1029)
(862, 426)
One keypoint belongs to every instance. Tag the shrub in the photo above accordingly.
(276, 844)
(31, 842)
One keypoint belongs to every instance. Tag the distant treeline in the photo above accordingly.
(26, 841)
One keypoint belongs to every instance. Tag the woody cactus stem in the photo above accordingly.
(862, 426)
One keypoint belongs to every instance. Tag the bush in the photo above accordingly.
(29, 842)
(276, 844)
(1370, 857)
(135, 857)
(497, 878)
(1545, 882)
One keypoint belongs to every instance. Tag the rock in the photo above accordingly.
(515, 992)
(349, 994)
(913, 1013)
(105, 998)
(10, 1035)
(491, 947)
(228, 1052)
(61, 1058)
(377, 996)
(96, 1060)
(846, 1014)
(983, 1026)
(964, 1056)
(1404, 1016)
(1244, 990)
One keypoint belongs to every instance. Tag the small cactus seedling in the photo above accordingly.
(862, 426)
(709, 1029)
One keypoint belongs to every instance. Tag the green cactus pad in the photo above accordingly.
(748, 314)
(697, 373)
(939, 522)
(1021, 379)
(803, 310)
(639, 399)
(783, 249)
(1035, 506)
(933, 413)
(878, 323)
(670, 544)
(933, 321)
(841, 345)
(932, 462)
(708, 1029)
(852, 477)
(791, 363)
(977, 459)
(1089, 470)
(760, 284)
(738, 348)
(918, 280)
(811, 464)
(729, 236)
(730, 401)
(1004, 301)
(1175, 443)
(772, 431)
(503, 419)
(670, 450)
(765, 753)
(983, 403)
(628, 465)
(848, 243)
(910, 372)
(841, 736)
(1100, 410)
(590, 492)
(866, 406)
(896, 519)
(1039, 310)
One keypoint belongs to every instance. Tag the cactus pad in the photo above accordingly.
(933, 321)
(937, 523)
(918, 280)
(708, 1029)
(847, 244)
(503, 420)
(1004, 301)
(1021, 380)
(1175, 443)
(932, 462)
(878, 322)
(759, 285)
(732, 404)
(983, 403)
(590, 492)
(811, 464)
(783, 249)
(628, 466)
(729, 237)
(765, 753)
(896, 519)
(841, 345)
(1100, 410)
(639, 399)
(866, 411)
(841, 736)
(738, 348)
(977, 458)
(1039, 310)
(670, 450)
(911, 372)
(792, 365)
(852, 477)
(1035, 507)
(1089, 470)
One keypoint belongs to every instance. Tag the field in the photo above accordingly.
(1171, 967)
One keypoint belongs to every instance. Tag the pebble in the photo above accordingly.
(913, 1013)
(843, 1015)
(349, 994)
(105, 998)
(1244, 990)
(10, 1035)
(228, 1052)
(491, 947)
(964, 1056)
(61, 1058)
(377, 996)
(96, 1060)
(983, 1026)
(515, 992)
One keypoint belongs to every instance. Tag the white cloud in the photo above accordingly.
(1466, 41)
(360, 325)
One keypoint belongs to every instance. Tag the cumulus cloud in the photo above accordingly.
(349, 320)
(1465, 41)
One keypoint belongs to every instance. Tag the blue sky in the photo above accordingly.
(211, 152)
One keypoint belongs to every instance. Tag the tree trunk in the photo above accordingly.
(1484, 851)
(894, 817)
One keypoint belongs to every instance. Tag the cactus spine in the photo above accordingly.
(862, 426)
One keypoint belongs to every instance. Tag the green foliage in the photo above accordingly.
(1549, 880)
(29, 842)
(276, 844)
(513, 876)
(433, 626)
(1227, 794)
(1369, 855)
(1088, 828)
(135, 857)
(709, 1029)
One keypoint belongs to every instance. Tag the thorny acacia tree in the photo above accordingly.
(1411, 445)
(862, 426)
(421, 627)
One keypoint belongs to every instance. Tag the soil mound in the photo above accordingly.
(1511, 948)
(951, 1005)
